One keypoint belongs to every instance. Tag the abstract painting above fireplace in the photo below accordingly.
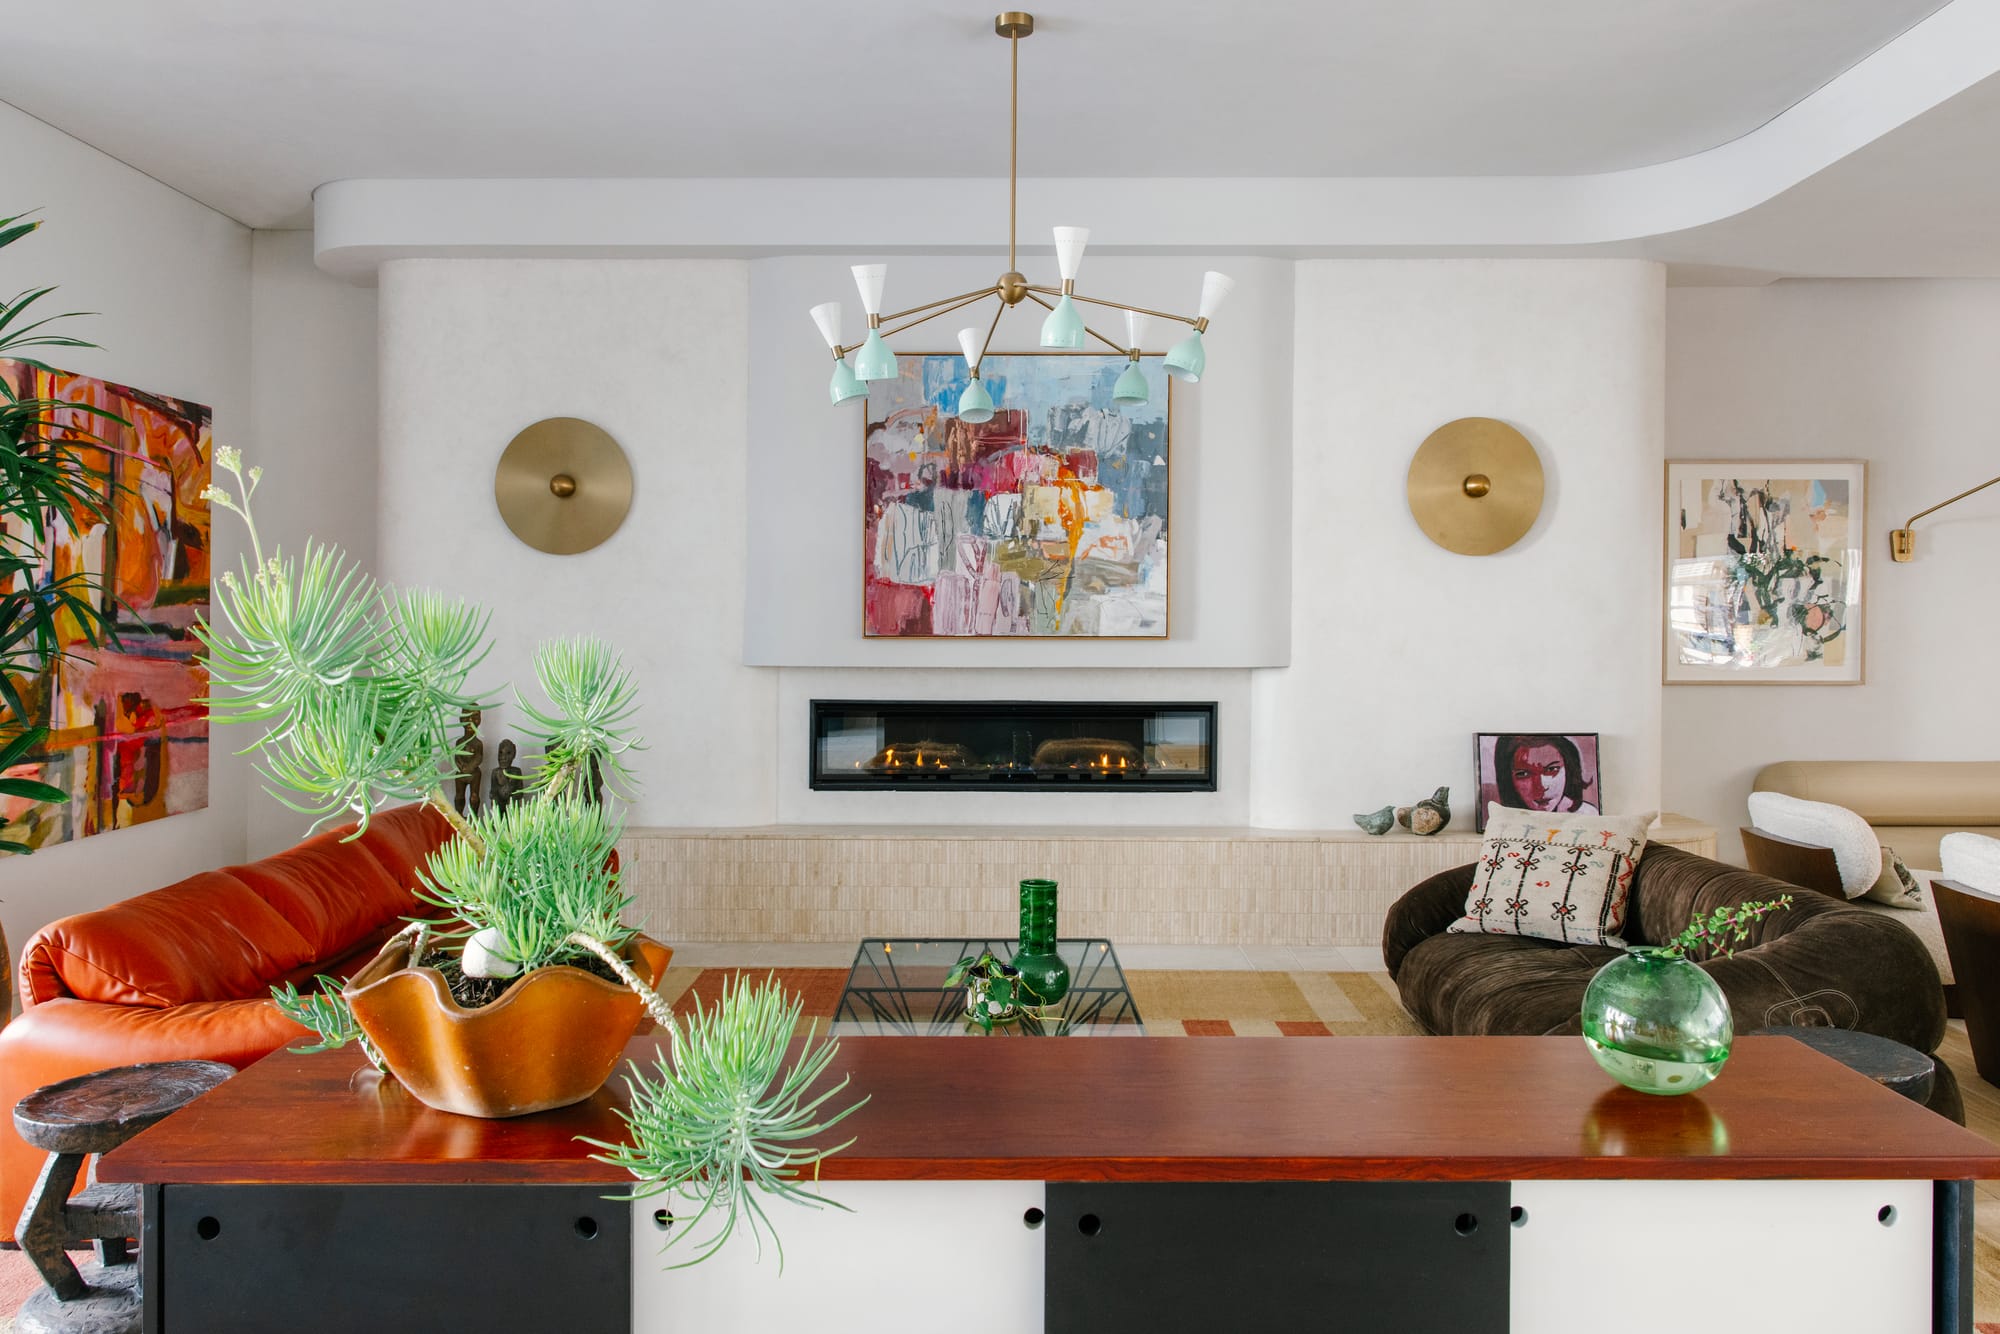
(989, 745)
(1050, 520)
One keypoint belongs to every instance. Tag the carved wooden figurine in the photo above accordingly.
(465, 795)
(506, 784)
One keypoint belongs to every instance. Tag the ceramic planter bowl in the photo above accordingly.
(551, 1040)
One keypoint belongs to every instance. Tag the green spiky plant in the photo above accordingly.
(44, 480)
(358, 690)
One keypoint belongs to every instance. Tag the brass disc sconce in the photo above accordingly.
(1475, 486)
(563, 485)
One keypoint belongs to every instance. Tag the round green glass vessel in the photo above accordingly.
(1656, 1022)
(1044, 975)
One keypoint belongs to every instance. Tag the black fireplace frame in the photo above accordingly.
(1052, 781)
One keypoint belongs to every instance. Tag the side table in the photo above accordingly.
(93, 1113)
(1889, 1063)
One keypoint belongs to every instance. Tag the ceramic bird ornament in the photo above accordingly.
(1427, 816)
(1377, 822)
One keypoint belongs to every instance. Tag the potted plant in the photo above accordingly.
(994, 990)
(359, 690)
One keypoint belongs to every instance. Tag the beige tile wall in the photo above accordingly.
(1159, 886)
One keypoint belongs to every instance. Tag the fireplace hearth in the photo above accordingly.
(1005, 745)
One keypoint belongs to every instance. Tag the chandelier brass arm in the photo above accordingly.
(957, 303)
(1193, 321)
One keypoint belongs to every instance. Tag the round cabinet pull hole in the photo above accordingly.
(1090, 1225)
(1466, 1224)
(208, 1229)
(1886, 1215)
(663, 1219)
(1518, 1216)
(586, 1227)
(1032, 1219)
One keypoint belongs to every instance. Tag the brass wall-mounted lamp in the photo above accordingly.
(1903, 541)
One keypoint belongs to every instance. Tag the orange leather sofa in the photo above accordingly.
(185, 972)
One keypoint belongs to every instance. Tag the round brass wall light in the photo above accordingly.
(1475, 486)
(563, 485)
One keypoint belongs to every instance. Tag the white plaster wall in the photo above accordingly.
(312, 369)
(1901, 374)
(657, 353)
(1228, 528)
(170, 280)
(1401, 651)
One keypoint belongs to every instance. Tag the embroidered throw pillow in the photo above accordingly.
(1554, 877)
(1897, 887)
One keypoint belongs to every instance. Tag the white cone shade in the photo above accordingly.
(968, 339)
(1069, 249)
(827, 317)
(869, 278)
(1135, 330)
(1215, 289)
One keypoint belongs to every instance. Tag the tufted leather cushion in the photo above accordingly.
(209, 938)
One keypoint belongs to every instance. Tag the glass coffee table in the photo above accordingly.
(896, 987)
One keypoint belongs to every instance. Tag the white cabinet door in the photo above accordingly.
(915, 1256)
(1724, 1257)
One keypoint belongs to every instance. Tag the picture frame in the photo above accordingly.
(1558, 772)
(1058, 521)
(1764, 572)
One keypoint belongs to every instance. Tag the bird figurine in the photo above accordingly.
(1377, 822)
(1432, 813)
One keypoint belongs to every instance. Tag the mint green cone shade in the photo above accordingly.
(975, 405)
(1064, 326)
(1130, 391)
(875, 361)
(1187, 360)
(846, 384)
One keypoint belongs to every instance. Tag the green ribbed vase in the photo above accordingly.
(1656, 1022)
(1043, 972)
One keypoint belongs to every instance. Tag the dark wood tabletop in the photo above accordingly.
(1143, 1109)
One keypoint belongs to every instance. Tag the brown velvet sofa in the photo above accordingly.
(185, 972)
(1822, 962)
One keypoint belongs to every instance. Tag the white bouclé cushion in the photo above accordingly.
(1973, 860)
(1856, 850)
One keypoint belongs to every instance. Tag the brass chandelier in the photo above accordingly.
(1063, 328)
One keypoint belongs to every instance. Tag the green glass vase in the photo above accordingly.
(1044, 975)
(1656, 1022)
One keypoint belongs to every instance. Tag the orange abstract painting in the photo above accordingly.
(128, 734)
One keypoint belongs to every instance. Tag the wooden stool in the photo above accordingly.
(1884, 1060)
(91, 1114)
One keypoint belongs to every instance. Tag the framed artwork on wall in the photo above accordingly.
(1049, 520)
(1538, 771)
(1764, 572)
(127, 727)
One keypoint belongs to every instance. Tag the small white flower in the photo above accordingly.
(229, 457)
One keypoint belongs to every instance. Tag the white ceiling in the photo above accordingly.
(247, 105)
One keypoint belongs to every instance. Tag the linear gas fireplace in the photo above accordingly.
(988, 745)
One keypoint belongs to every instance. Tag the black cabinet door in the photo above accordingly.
(304, 1259)
(1356, 1257)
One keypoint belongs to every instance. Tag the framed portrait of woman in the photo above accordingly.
(1538, 771)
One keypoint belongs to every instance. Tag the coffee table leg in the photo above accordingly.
(1952, 1262)
(41, 1230)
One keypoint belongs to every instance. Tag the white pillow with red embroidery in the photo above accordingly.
(1566, 878)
